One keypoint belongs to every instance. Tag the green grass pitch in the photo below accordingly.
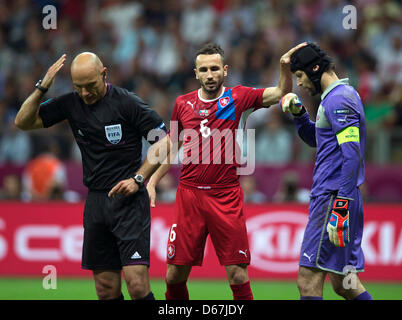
(84, 289)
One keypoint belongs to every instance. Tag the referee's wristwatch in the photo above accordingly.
(39, 86)
(139, 179)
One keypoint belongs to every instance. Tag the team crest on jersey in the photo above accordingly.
(224, 101)
(171, 250)
(226, 107)
(113, 133)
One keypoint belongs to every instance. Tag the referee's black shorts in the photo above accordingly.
(116, 230)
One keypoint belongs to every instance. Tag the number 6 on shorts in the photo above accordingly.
(172, 235)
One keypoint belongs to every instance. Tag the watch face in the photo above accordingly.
(139, 178)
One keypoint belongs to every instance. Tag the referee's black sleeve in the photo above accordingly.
(52, 111)
(144, 118)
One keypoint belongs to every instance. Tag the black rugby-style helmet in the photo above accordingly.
(306, 58)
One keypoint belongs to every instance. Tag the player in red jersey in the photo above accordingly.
(209, 198)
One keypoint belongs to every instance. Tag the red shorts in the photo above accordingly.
(199, 212)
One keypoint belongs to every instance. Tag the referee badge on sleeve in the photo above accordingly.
(113, 133)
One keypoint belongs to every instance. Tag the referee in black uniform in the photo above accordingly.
(108, 123)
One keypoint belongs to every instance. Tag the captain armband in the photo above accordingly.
(349, 134)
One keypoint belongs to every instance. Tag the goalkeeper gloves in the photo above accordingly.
(338, 225)
(291, 103)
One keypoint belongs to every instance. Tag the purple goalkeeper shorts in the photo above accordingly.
(318, 252)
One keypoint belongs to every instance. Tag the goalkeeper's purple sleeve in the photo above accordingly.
(306, 129)
(350, 168)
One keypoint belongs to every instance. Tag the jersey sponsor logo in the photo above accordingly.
(113, 133)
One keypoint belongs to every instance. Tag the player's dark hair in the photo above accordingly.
(210, 48)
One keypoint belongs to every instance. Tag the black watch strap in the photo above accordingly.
(139, 179)
(38, 86)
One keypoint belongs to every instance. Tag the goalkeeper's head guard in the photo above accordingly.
(306, 58)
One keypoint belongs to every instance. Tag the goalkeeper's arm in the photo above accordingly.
(338, 225)
(305, 127)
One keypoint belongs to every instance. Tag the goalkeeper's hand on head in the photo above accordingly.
(338, 225)
(291, 103)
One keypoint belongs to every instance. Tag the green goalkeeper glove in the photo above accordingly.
(291, 103)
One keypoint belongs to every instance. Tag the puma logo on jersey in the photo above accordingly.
(191, 104)
(243, 252)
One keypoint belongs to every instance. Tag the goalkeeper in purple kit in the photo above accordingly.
(333, 235)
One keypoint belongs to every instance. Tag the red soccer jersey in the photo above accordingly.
(208, 129)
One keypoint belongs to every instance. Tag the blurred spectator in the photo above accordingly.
(390, 61)
(330, 20)
(378, 110)
(290, 191)
(120, 15)
(11, 188)
(251, 193)
(45, 178)
(395, 117)
(274, 144)
(197, 22)
(15, 145)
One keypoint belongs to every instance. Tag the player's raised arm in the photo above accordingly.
(28, 116)
(272, 95)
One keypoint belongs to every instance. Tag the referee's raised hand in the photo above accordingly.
(52, 71)
(126, 187)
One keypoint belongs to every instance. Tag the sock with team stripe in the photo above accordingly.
(310, 298)
(242, 291)
(176, 291)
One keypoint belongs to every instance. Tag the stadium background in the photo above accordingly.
(148, 47)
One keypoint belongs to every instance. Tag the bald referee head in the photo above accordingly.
(89, 77)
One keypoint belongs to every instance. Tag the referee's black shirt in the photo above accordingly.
(108, 133)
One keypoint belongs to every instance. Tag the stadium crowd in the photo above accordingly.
(148, 47)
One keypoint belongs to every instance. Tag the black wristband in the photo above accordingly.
(39, 87)
(303, 111)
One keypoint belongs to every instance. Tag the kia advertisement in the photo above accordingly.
(35, 236)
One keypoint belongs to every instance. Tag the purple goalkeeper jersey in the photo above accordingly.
(339, 133)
